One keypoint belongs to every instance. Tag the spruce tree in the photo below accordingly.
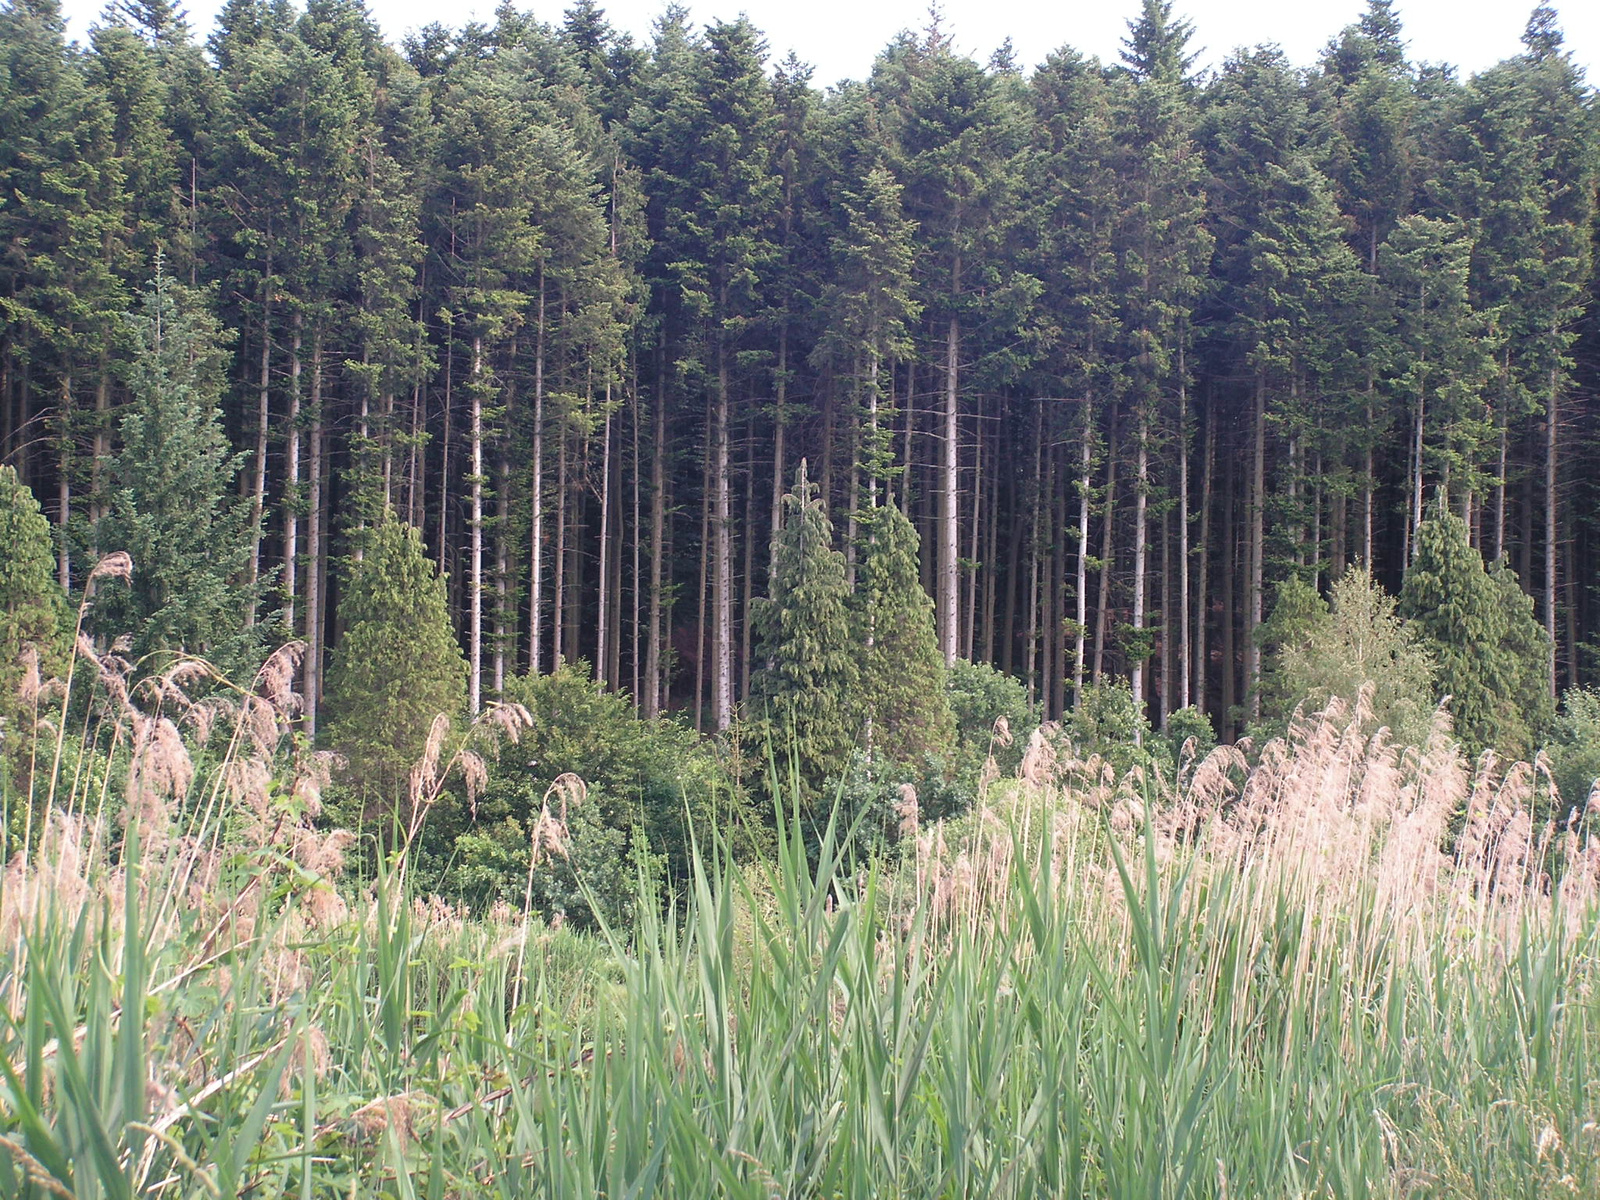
(805, 690)
(32, 607)
(1484, 640)
(905, 704)
(397, 667)
(172, 501)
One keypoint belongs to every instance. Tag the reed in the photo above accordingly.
(1335, 968)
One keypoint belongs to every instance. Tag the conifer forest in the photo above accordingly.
(589, 615)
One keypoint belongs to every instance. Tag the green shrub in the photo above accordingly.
(654, 787)
(1108, 721)
(979, 696)
(1575, 748)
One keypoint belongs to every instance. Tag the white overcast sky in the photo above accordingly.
(840, 37)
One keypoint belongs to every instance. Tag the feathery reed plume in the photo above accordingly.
(275, 680)
(908, 810)
(1039, 758)
(116, 565)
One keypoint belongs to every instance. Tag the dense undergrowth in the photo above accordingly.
(1333, 968)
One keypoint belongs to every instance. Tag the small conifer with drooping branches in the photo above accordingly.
(907, 707)
(397, 667)
(805, 690)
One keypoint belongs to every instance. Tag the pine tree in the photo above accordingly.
(805, 692)
(869, 309)
(397, 667)
(959, 131)
(172, 499)
(1442, 357)
(32, 607)
(1484, 639)
(903, 694)
(1162, 250)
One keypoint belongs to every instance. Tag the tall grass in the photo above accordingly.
(1347, 970)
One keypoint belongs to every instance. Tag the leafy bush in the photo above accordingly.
(1108, 721)
(1184, 724)
(979, 696)
(593, 879)
(653, 788)
(1320, 651)
(1575, 748)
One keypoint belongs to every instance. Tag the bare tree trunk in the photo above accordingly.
(558, 593)
(780, 420)
(1049, 569)
(633, 402)
(291, 491)
(970, 617)
(948, 495)
(1201, 606)
(747, 575)
(1552, 423)
(1230, 630)
(991, 557)
(475, 566)
(1085, 495)
(102, 439)
(658, 522)
(1107, 550)
(258, 491)
(722, 587)
(1036, 542)
(1258, 498)
(1416, 480)
(444, 446)
(1185, 644)
(602, 652)
(1008, 638)
(64, 488)
(1141, 502)
(504, 620)
(311, 665)
(536, 493)
(705, 571)
(1368, 468)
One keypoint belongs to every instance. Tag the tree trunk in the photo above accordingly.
(1141, 502)
(558, 592)
(1185, 645)
(536, 493)
(1201, 605)
(634, 657)
(1552, 423)
(1107, 551)
(780, 422)
(602, 652)
(969, 634)
(705, 571)
(1085, 497)
(722, 587)
(64, 487)
(658, 522)
(444, 443)
(291, 490)
(1036, 543)
(1258, 499)
(948, 495)
(258, 491)
(312, 663)
(504, 619)
(475, 565)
